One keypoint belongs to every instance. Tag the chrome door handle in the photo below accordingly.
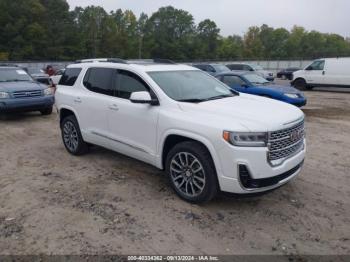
(114, 107)
(77, 100)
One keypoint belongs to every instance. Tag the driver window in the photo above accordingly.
(317, 65)
(233, 81)
(128, 83)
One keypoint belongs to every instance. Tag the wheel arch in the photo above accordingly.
(67, 111)
(171, 138)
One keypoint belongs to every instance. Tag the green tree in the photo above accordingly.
(207, 39)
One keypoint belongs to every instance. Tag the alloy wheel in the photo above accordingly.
(70, 136)
(187, 174)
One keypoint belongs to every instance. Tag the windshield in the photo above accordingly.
(190, 86)
(257, 67)
(220, 68)
(256, 79)
(13, 75)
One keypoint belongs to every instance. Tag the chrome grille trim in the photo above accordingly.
(285, 143)
(26, 94)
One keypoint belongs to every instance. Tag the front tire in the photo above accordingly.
(191, 172)
(71, 136)
(300, 84)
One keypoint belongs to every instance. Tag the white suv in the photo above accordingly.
(179, 119)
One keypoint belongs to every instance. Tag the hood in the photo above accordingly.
(281, 89)
(20, 86)
(254, 113)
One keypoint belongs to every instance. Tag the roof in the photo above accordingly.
(146, 67)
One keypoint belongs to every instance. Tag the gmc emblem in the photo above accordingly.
(296, 135)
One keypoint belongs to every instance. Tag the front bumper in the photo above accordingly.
(26, 104)
(255, 160)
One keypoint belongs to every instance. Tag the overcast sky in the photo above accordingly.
(235, 16)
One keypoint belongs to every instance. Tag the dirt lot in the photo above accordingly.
(106, 203)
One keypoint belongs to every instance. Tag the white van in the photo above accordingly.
(324, 72)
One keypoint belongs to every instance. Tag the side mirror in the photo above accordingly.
(309, 68)
(251, 69)
(244, 85)
(143, 97)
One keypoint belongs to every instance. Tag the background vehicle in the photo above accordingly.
(19, 92)
(253, 68)
(212, 69)
(324, 72)
(178, 118)
(57, 76)
(287, 73)
(251, 83)
(40, 76)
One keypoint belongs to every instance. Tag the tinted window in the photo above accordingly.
(247, 68)
(233, 80)
(70, 76)
(128, 83)
(100, 80)
(201, 67)
(235, 67)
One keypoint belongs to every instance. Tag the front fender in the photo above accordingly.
(197, 137)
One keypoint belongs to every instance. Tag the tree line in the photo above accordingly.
(49, 30)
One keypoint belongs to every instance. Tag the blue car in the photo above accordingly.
(19, 92)
(251, 83)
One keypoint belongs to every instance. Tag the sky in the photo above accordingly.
(235, 16)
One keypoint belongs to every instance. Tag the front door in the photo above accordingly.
(133, 127)
(315, 74)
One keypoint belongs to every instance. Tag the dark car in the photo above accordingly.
(251, 83)
(19, 92)
(287, 73)
(212, 69)
(40, 76)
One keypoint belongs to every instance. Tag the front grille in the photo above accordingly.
(286, 142)
(25, 94)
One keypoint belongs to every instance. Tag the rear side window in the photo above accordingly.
(100, 80)
(127, 83)
(70, 76)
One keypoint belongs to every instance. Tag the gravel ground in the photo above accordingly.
(106, 203)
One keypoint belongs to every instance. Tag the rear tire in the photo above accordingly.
(191, 172)
(300, 84)
(46, 111)
(71, 136)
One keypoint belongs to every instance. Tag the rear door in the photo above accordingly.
(94, 103)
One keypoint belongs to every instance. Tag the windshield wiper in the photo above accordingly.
(218, 97)
(192, 100)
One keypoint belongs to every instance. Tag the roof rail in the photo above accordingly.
(150, 61)
(108, 60)
(163, 61)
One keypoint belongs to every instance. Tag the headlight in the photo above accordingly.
(4, 95)
(246, 139)
(48, 92)
(291, 95)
